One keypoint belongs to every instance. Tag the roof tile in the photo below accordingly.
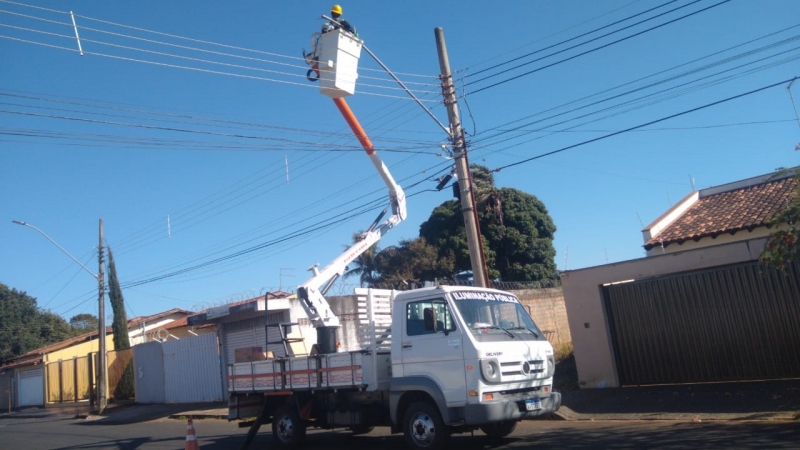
(728, 212)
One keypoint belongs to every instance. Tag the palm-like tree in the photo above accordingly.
(486, 194)
(365, 266)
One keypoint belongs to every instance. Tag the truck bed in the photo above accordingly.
(330, 371)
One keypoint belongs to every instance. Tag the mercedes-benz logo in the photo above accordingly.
(526, 368)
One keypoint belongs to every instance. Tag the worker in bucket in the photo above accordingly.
(336, 14)
(312, 59)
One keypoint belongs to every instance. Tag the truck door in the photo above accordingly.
(436, 354)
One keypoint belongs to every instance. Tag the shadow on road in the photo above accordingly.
(593, 435)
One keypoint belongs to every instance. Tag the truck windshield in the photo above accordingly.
(492, 316)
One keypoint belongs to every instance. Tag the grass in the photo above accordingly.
(563, 351)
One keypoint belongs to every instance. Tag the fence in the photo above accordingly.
(69, 380)
(120, 383)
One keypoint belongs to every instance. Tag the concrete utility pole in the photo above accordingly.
(480, 275)
(102, 366)
(102, 377)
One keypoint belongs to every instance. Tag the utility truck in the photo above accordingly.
(430, 362)
(434, 361)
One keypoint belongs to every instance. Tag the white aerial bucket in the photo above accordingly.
(338, 63)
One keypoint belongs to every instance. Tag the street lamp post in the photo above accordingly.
(102, 377)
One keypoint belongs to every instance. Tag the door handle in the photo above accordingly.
(407, 346)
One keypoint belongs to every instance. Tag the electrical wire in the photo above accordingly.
(650, 85)
(652, 122)
(563, 30)
(707, 56)
(578, 37)
(570, 58)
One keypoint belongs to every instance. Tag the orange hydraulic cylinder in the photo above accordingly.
(354, 125)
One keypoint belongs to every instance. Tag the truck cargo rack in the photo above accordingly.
(325, 371)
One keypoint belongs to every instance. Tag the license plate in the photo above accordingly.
(533, 404)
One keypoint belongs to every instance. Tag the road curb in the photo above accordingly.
(565, 413)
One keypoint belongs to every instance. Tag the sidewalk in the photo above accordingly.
(758, 400)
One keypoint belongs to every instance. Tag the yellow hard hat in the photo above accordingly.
(336, 9)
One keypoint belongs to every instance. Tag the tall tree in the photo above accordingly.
(83, 323)
(24, 327)
(783, 245)
(125, 389)
(413, 261)
(516, 228)
(364, 266)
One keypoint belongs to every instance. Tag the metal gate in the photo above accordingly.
(252, 333)
(723, 324)
(183, 371)
(192, 371)
(31, 388)
(69, 380)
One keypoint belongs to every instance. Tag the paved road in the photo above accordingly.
(66, 434)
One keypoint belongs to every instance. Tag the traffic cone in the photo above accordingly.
(191, 438)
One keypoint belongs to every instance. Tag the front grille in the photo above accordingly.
(517, 368)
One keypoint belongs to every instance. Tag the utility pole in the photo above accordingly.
(474, 241)
(102, 366)
(102, 377)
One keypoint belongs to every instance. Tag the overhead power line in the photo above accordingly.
(594, 49)
(652, 122)
(470, 75)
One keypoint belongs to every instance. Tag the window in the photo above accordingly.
(495, 317)
(436, 312)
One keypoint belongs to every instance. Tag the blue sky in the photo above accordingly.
(191, 110)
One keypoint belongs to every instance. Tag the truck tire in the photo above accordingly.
(423, 427)
(288, 428)
(499, 429)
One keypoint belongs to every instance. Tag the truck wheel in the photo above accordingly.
(423, 427)
(361, 429)
(499, 429)
(288, 428)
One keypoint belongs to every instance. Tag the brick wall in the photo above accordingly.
(549, 311)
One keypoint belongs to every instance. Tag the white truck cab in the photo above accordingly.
(475, 353)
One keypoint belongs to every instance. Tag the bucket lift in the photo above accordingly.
(335, 60)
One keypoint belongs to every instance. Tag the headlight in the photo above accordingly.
(490, 369)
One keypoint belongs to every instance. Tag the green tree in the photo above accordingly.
(783, 245)
(516, 228)
(413, 261)
(83, 323)
(24, 327)
(125, 388)
(54, 328)
(364, 266)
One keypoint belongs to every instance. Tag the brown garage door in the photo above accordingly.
(724, 324)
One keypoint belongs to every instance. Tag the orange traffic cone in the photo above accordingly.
(191, 438)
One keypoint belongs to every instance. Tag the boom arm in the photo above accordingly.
(311, 293)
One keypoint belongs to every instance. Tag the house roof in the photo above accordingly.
(138, 320)
(730, 208)
(34, 356)
(207, 315)
(184, 322)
